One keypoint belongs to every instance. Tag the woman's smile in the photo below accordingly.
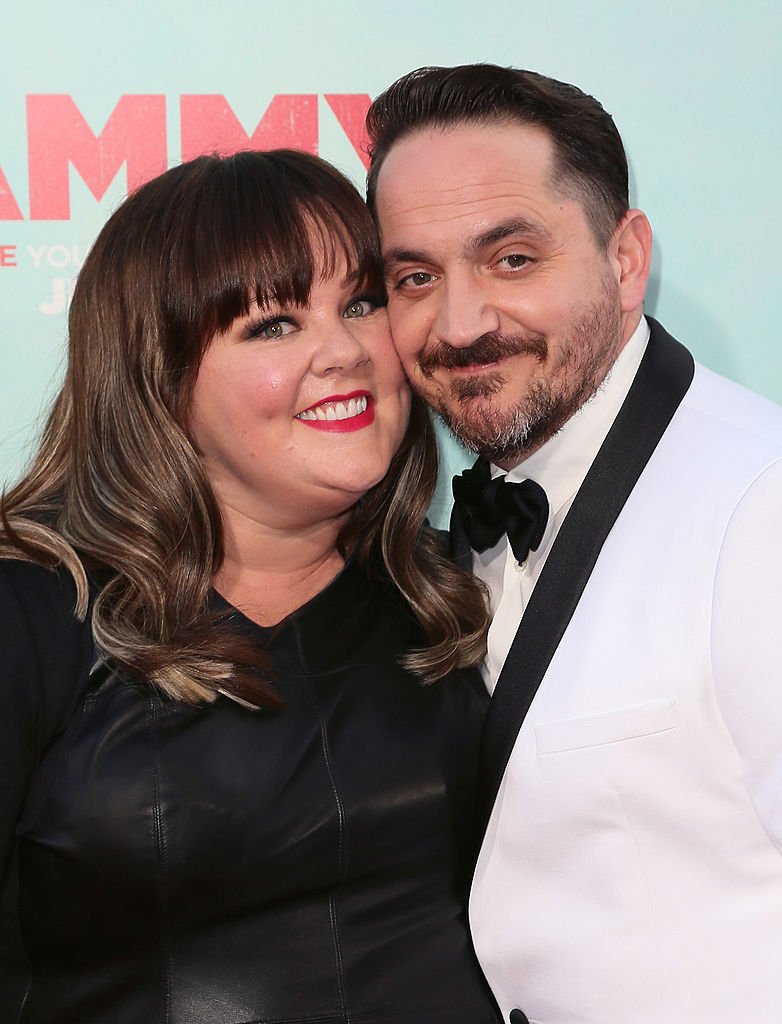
(340, 412)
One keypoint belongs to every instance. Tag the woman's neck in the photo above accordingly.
(268, 572)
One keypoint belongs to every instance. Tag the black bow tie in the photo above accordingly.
(488, 508)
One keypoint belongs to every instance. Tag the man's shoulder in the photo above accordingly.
(730, 408)
(721, 408)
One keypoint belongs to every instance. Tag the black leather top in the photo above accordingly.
(219, 865)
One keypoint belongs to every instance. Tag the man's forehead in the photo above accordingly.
(474, 144)
(474, 180)
(434, 173)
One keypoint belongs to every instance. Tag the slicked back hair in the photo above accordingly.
(590, 164)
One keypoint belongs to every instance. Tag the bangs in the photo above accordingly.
(264, 228)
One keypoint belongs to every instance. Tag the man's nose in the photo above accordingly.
(465, 312)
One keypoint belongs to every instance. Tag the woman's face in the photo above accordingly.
(297, 411)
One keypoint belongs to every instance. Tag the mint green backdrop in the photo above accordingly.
(695, 88)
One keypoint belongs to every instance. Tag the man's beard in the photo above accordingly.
(584, 358)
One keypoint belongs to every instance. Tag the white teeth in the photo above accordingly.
(336, 410)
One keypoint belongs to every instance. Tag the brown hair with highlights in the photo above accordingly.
(116, 488)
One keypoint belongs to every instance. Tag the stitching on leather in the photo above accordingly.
(158, 825)
(338, 957)
(373, 1017)
(341, 850)
(341, 815)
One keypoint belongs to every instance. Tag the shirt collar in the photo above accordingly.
(561, 464)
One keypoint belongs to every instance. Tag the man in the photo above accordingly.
(631, 866)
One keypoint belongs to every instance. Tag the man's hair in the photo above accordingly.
(590, 164)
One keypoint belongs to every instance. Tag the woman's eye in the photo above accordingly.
(359, 308)
(513, 261)
(418, 279)
(271, 329)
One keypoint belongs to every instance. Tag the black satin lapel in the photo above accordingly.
(663, 379)
(461, 552)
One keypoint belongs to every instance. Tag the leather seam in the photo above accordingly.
(341, 815)
(338, 956)
(341, 851)
(161, 853)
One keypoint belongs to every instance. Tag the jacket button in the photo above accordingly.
(517, 1017)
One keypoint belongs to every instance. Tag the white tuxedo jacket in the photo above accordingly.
(630, 872)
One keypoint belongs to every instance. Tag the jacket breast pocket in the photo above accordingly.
(610, 727)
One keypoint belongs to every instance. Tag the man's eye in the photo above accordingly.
(419, 279)
(359, 308)
(513, 261)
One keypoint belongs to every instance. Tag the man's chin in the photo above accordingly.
(481, 428)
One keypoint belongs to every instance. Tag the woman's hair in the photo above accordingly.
(116, 488)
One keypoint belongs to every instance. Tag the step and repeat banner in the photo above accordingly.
(98, 97)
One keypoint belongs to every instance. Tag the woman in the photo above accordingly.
(233, 799)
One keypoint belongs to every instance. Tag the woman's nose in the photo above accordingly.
(340, 350)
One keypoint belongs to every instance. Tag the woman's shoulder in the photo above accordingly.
(39, 591)
(42, 640)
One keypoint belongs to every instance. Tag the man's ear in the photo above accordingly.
(631, 249)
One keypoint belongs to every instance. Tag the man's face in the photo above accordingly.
(505, 311)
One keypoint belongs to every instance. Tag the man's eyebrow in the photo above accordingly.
(529, 229)
(515, 227)
(394, 256)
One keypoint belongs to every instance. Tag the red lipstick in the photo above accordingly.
(340, 413)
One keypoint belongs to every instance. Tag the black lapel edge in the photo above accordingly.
(461, 552)
(662, 380)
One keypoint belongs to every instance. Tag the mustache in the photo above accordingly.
(489, 348)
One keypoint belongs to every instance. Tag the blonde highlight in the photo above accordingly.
(116, 492)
